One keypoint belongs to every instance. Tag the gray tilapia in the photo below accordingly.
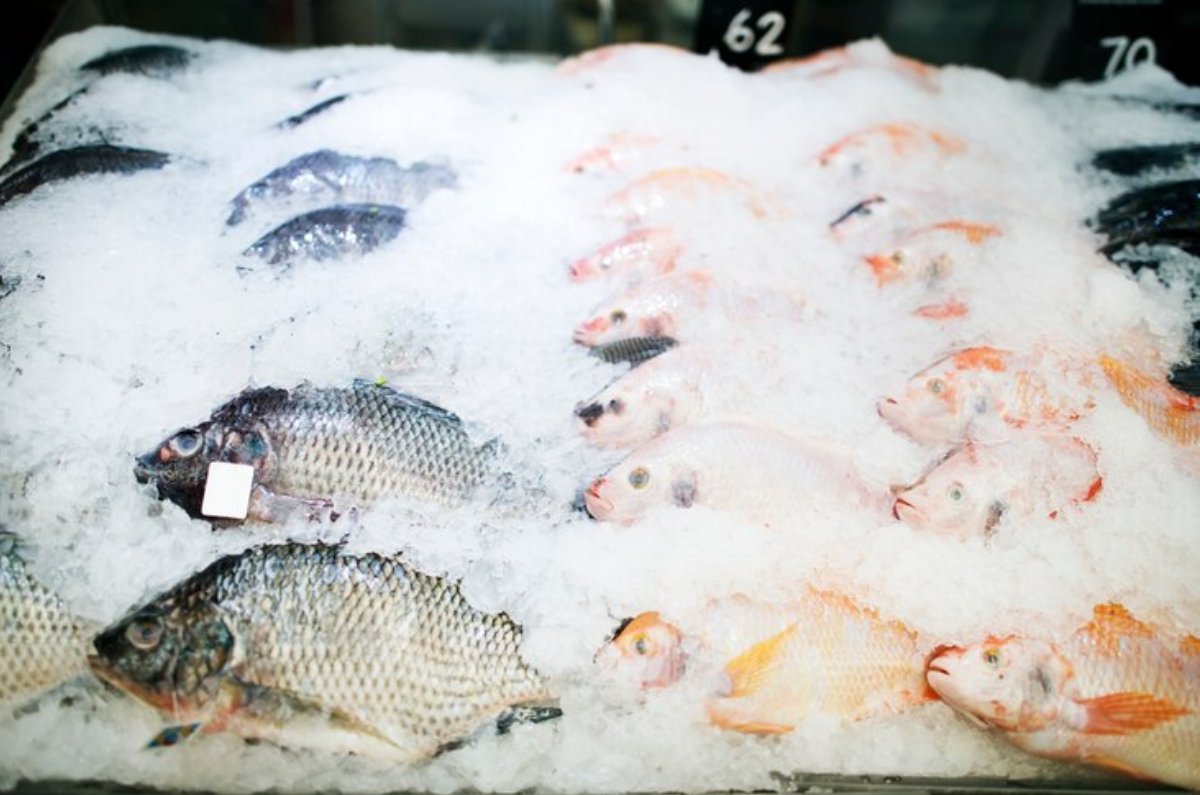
(151, 60)
(311, 646)
(79, 161)
(326, 175)
(329, 233)
(41, 643)
(311, 446)
(634, 350)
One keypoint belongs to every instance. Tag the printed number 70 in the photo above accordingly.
(1126, 55)
(739, 37)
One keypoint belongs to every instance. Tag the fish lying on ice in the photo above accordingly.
(80, 161)
(326, 175)
(645, 650)
(41, 643)
(151, 60)
(759, 473)
(1161, 214)
(642, 253)
(929, 254)
(308, 114)
(684, 305)
(667, 188)
(1118, 693)
(310, 646)
(312, 448)
(894, 141)
(975, 486)
(981, 393)
(330, 233)
(1168, 411)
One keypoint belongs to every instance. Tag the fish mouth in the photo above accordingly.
(145, 468)
(904, 511)
(597, 506)
(933, 661)
(582, 270)
(889, 410)
(589, 333)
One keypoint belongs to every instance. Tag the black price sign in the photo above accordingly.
(1108, 37)
(747, 34)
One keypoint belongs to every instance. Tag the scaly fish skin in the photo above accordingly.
(79, 161)
(330, 233)
(1118, 694)
(312, 646)
(1168, 411)
(41, 643)
(313, 445)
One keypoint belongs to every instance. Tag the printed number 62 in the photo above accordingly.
(1126, 54)
(740, 37)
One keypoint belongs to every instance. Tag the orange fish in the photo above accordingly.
(601, 56)
(834, 657)
(646, 252)
(670, 186)
(1169, 412)
(617, 150)
(836, 59)
(1117, 694)
(899, 139)
(648, 650)
(930, 252)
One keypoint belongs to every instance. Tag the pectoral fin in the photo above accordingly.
(1124, 713)
(749, 670)
(749, 703)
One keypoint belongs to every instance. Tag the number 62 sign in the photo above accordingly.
(746, 33)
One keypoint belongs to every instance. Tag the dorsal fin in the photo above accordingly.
(982, 358)
(1110, 624)
(411, 401)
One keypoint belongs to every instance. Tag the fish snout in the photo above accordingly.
(582, 270)
(902, 508)
(888, 408)
(589, 412)
(587, 332)
(146, 467)
(937, 659)
(597, 505)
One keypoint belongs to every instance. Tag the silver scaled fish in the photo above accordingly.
(314, 449)
(309, 646)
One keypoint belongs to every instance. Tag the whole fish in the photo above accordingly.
(758, 473)
(41, 643)
(1139, 160)
(80, 161)
(669, 187)
(1118, 693)
(1168, 411)
(311, 447)
(634, 351)
(152, 60)
(312, 646)
(981, 393)
(894, 141)
(860, 55)
(831, 656)
(308, 114)
(643, 253)
(972, 488)
(330, 233)
(645, 650)
(683, 305)
(326, 175)
(928, 254)
(1160, 214)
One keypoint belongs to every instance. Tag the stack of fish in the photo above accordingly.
(306, 644)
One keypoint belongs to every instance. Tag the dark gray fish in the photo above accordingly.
(1132, 161)
(634, 350)
(315, 110)
(1162, 214)
(33, 136)
(311, 646)
(330, 233)
(310, 445)
(79, 161)
(152, 60)
(326, 175)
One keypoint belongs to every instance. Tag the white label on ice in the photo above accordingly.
(227, 490)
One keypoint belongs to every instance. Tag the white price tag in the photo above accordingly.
(227, 490)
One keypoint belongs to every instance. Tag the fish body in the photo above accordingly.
(311, 646)
(684, 305)
(80, 161)
(981, 393)
(758, 473)
(1160, 214)
(41, 643)
(618, 150)
(1170, 412)
(667, 188)
(326, 175)
(1118, 693)
(330, 233)
(311, 446)
(861, 55)
(829, 655)
(930, 253)
(895, 141)
(975, 486)
(1138, 160)
(634, 350)
(642, 253)
(151, 60)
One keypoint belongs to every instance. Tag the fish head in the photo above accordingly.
(623, 320)
(643, 253)
(637, 408)
(167, 655)
(647, 650)
(643, 481)
(960, 495)
(178, 466)
(1010, 683)
(940, 403)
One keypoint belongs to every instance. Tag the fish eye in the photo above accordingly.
(639, 477)
(616, 406)
(992, 657)
(618, 316)
(955, 492)
(641, 646)
(936, 386)
(185, 444)
(145, 633)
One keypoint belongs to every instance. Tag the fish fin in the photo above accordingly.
(525, 714)
(1124, 713)
(172, 735)
(1111, 623)
(749, 670)
(1190, 645)
(267, 506)
(724, 721)
(1117, 766)
(982, 357)
(411, 401)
